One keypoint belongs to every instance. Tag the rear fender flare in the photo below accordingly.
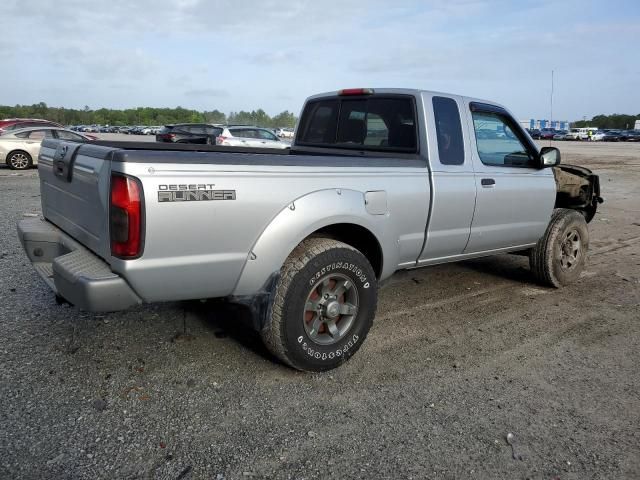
(297, 221)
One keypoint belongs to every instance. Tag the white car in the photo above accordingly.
(284, 132)
(254, 137)
(150, 130)
(19, 149)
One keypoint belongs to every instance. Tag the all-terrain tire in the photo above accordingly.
(560, 255)
(308, 273)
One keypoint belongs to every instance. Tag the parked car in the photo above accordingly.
(19, 149)
(302, 238)
(547, 134)
(284, 132)
(151, 130)
(612, 136)
(254, 137)
(560, 135)
(10, 124)
(630, 136)
(199, 133)
(534, 132)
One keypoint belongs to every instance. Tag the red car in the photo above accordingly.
(9, 124)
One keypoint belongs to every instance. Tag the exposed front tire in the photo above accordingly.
(19, 160)
(324, 305)
(560, 255)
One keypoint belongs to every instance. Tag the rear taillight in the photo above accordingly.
(220, 139)
(125, 217)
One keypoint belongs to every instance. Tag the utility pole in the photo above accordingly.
(551, 119)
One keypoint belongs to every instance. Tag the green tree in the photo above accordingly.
(144, 116)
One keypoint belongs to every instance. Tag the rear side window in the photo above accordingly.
(375, 123)
(243, 132)
(449, 131)
(39, 134)
(265, 135)
(213, 130)
(69, 136)
(196, 129)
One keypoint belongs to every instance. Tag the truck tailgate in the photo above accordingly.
(74, 184)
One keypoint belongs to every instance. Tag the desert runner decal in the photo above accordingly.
(193, 193)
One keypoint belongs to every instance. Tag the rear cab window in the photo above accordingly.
(383, 123)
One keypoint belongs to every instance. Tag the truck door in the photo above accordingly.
(452, 179)
(515, 197)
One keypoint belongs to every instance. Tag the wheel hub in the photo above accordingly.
(570, 250)
(330, 309)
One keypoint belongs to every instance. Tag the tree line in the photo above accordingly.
(145, 116)
(615, 121)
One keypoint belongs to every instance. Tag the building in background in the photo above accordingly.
(532, 123)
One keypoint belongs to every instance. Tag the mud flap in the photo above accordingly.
(259, 304)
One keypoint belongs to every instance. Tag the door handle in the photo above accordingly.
(487, 182)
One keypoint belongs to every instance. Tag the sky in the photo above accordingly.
(244, 55)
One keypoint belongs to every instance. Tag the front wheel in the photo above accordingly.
(324, 305)
(560, 255)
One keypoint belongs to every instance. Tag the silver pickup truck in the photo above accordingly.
(375, 182)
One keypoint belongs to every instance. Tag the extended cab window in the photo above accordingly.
(448, 130)
(497, 144)
(373, 123)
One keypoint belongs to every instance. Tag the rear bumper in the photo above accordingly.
(72, 271)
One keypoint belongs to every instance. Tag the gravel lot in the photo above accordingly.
(459, 356)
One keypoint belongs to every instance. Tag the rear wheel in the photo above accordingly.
(324, 305)
(560, 255)
(19, 160)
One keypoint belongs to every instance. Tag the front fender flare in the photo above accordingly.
(296, 222)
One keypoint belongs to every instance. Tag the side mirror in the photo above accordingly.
(549, 157)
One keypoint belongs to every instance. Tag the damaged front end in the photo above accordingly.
(577, 188)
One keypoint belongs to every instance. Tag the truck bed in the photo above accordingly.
(187, 147)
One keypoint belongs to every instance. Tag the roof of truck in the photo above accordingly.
(408, 91)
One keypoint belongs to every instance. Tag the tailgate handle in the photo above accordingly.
(59, 168)
(63, 160)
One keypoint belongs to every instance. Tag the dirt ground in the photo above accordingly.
(459, 356)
